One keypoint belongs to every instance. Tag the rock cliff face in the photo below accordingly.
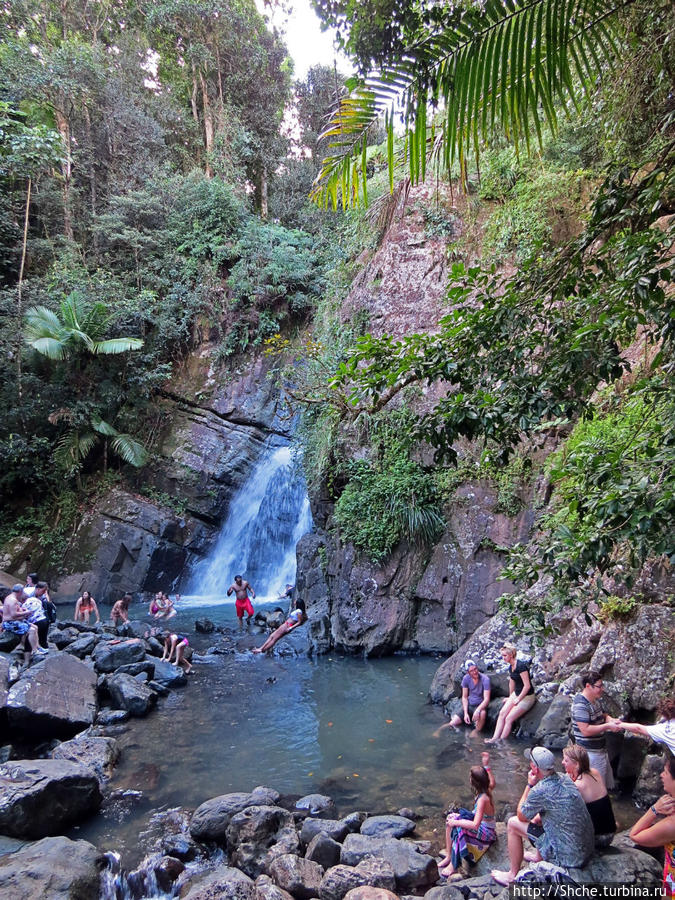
(214, 433)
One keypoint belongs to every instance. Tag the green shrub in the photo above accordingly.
(618, 608)
(382, 506)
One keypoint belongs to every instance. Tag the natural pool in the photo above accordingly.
(357, 730)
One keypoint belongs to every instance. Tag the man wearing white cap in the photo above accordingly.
(476, 690)
(14, 618)
(553, 815)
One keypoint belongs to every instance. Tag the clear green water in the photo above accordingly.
(357, 730)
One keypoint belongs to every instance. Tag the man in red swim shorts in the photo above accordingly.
(240, 588)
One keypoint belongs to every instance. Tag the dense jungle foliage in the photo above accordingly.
(153, 197)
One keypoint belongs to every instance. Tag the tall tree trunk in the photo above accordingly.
(63, 126)
(208, 124)
(19, 300)
(261, 191)
(92, 176)
(193, 97)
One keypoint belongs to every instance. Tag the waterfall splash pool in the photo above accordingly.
(357, 730)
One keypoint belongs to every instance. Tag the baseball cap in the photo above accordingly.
(468, 664)
(541, 757)
(17, 587)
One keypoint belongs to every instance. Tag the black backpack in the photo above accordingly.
(49, 610)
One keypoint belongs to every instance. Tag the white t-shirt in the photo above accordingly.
(663, 733)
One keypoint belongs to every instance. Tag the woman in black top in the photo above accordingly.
(521, 697)
(590, 784)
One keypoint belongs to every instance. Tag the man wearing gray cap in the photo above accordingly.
(14, 621)
(553, 815)
(476, 690)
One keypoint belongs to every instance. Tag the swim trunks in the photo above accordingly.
(154, 609)
(16, 626)
(243, 606)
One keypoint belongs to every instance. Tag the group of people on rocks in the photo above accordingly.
(27, 611)
(565, 817)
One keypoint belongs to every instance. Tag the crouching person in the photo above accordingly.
(552, 815)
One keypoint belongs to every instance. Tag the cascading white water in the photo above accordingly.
(266, 519)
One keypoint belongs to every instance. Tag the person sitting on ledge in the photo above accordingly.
(475, 698)
(553, 815)
(14, 621)
(521, 697)
(591, 785)
(469, 833)
(657, 827)
(295, 618)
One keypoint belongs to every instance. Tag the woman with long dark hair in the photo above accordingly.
(468, 834)
(657, 827)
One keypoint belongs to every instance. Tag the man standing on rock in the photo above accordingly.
(242, 605)
(553, 815)
(590, 723)
(14, 618)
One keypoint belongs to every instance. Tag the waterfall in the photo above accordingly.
(266, 519)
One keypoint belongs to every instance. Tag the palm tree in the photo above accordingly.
(77, 333)
(504, 66)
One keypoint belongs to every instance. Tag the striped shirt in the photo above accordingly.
(591, 714)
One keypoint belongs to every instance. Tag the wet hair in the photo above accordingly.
(666, 708)
(125, 601)
(300, 604)
(589, 677)
(578, 755)
(88, 593)
(238, 578)
(479, 780)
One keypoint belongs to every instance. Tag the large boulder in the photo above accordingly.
(210, 821)
(266, 889)
(336, 829)
(83, 646)
(316, 804)
(387, 826)
(554, 728)
(300, 877)
(338, 881)
(167, 675)
(42, 797)
(252, 832)
(55, 697)
(412, 868)
(649, 786)
(54, 868)
(323, 850)
(638, 655)
(110, 655)
(129, 694)
(96, 753)
(226, 883)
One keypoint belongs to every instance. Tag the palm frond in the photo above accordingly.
(50, 347)
(500, 67)
(102, 427)
(73, 448)
(116, 345)
(130, 450)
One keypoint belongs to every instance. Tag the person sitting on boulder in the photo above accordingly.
(178, 644)
(85, 606)
(476, 690)
(14, 621)
(521, 697)
(553, 815)
(657, 827)
(119, 614)
(30, 585)
(664, 730)
(468, 834)
(295, 618)
(591, 785)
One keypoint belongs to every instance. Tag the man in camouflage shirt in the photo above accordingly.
(553, 815)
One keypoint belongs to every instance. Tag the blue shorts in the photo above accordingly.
(16, 626)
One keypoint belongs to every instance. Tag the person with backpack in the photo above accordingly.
(48, 605)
